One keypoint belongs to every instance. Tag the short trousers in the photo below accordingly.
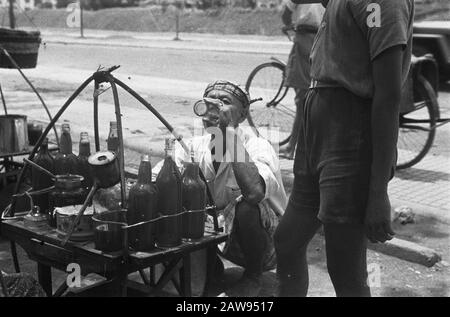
(333, 158)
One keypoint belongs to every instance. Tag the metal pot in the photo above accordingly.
(65, 216)
(13, 134)
(105, 169)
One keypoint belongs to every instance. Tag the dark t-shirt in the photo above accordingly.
(353, 33)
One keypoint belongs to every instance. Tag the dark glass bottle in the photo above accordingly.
(194, 201)
(65, 161)
(169, 184)
(113, 137)
(83, 156)
(41, 180)
(142, 204)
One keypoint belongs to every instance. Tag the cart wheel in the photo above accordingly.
(274, 116)
(417, 128)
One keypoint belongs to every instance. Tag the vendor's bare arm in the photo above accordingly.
(385, 112)
(250, 182)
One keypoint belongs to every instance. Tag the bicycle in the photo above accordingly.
(418, 121)
(274, 112)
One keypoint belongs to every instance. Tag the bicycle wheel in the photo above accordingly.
(417, 128)
(273, 116)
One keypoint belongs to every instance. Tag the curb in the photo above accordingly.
(103, 43)
(408, 251)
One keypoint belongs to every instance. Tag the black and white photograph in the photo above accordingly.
(224, 155)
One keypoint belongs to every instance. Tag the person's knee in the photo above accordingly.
(247, 214)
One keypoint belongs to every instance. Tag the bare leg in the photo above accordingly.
(292, 237)
(346, 246)
(253, 241)
(252, 237)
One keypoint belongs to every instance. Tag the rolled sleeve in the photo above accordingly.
(267, 163)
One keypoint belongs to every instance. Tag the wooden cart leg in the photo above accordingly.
(185, 276)
(45, 278)
(210, 269)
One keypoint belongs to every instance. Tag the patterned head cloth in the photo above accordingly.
(240, 93)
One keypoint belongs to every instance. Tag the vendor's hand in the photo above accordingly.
(220, 115)
(235, 146)
(378, 217)
(211, 118)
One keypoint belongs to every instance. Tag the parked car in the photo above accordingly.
(433, 37)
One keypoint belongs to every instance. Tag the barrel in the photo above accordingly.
(21, 45)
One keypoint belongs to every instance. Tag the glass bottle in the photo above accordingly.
(194, 200)
(169, 184)
(142, 204)
(83, 156)
(65, 161)
(113, 137)
(41, 180)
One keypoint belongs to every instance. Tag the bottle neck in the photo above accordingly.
(192, 170)
(85, 149)
(169, 153)
(44, 148)
(66, 143)
(145, 173)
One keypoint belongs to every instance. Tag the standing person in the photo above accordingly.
(346, 151)
(305, 18)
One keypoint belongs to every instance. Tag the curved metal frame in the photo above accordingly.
(98, 78)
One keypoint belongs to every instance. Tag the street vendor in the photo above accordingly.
(242, 170)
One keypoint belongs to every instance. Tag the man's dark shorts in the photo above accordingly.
(333, 158)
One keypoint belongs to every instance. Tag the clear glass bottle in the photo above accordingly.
(169, 184)
(142, 206)
(83, 156)
(65, 161)
(113, 137)
(194, 200)
(41, 180)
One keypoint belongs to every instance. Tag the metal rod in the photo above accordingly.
(96, 134)
(33, 88)
(80, 213)
(167, 125)
(120, 134)
(38, 167)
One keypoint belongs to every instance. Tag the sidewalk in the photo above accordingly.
(192, 41)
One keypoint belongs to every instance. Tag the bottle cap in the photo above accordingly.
(65, 127)
(169, 143)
